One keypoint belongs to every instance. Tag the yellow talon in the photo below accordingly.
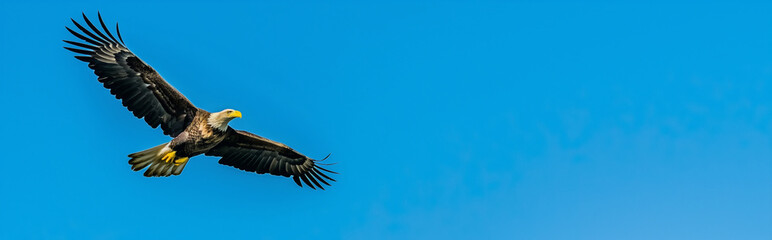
(169, 157)
(180, 161)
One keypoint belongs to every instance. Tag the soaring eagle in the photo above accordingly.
(194, 131)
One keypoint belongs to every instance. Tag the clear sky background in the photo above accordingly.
(448, 120)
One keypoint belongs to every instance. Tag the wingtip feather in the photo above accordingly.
(296, 178)
(102, 22)
(102, 37)
(118, 30)
(305, 180)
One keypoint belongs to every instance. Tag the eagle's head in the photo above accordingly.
(219, 120)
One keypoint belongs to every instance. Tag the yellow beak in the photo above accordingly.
(235, 114)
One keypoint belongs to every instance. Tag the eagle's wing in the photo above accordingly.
(249, 152)
(143, 91)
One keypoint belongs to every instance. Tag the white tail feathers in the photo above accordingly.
(153, 158)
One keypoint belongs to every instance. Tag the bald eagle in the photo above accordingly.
(194, 131)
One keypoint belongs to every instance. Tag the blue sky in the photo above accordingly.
(448, 120)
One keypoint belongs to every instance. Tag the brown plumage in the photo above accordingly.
(194, 131)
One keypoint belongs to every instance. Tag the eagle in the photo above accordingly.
(194, 131)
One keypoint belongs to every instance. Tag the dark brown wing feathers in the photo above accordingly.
(250, 152)
(142, 90)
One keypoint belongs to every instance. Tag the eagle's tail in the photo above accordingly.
(162, 161)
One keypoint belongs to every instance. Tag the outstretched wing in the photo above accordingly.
(249, 152)
(143, 91)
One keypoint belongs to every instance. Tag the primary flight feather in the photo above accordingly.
(194, 131)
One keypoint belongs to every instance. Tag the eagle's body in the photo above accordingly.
(198, 137)
(194, 131)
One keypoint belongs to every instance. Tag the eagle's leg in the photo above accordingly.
(179, 161)
(169, 157)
